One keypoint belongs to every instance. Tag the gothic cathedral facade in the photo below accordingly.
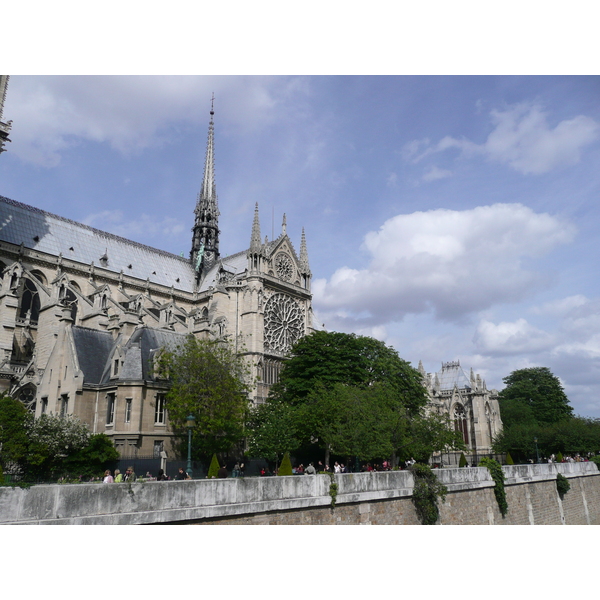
(84, 313)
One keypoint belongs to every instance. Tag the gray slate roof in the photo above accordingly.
(236, 264)
(144, 343)
(452, 375)
(94, 349)
(54, 235)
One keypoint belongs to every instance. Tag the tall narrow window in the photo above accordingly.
(110, 409)
(44, 405)
(159, 411)
(460, 422)
(128, 410)
(158, 448)
(64, 405)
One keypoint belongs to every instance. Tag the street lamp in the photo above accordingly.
(537, 454)
(190, 421)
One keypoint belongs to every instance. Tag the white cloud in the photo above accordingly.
(450, 262)
(51, 114)
(511, 338)
(561, 307)
(436, 173)
(521, 138)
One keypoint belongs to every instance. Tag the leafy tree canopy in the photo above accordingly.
(98, 455)
(14, 439)
(533, 395)
(53, 438)
(329, 358)
(272, 430)
(350, 420)
(208, 381)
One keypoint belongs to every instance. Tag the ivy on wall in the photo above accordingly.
(562, 485)
(426, 492)
(333, 489)
(495, 469)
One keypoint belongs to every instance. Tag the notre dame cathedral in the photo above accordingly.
(84, 314)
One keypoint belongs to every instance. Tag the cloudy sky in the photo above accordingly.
(453, 217)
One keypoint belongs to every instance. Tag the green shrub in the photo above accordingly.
(333, 489)
(425, 494)
(594, 459)
(213, 470)
(1, 475)
(495, 469)
(285, 468)
(463, 461)
(562, 485)
(559, 457)
(509, 459)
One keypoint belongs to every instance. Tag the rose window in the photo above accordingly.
(284, 266)
(284, 323)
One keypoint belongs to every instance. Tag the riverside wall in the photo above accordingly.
(382, 498)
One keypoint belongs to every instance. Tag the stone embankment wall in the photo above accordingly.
(362, 498)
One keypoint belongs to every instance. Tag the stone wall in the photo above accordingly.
(362, 498)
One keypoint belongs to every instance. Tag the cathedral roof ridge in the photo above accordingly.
(113, 236)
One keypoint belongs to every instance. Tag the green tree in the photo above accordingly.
(93, 459)
(214, 467)
(518, 439)
(286, 466)
(14, 439)
(533, 395)
(428, 433)
(208, 380)
(52, 439)
(272, 430)
(328, 358)
(353, 421)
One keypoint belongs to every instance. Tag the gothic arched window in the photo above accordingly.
(29, 303)
(27, 397)
(460, 422)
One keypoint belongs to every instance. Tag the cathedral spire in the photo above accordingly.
(303, 263)
(255, 252)
(255, 243)
(205, 241)
(304, 267)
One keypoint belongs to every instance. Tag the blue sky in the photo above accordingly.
(453, 217)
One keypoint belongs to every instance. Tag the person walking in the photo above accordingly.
(108, 478)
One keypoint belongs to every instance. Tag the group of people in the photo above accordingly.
(571, 459)
(119, 477)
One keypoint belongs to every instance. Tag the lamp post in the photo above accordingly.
(190, 425)
(537, 454)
